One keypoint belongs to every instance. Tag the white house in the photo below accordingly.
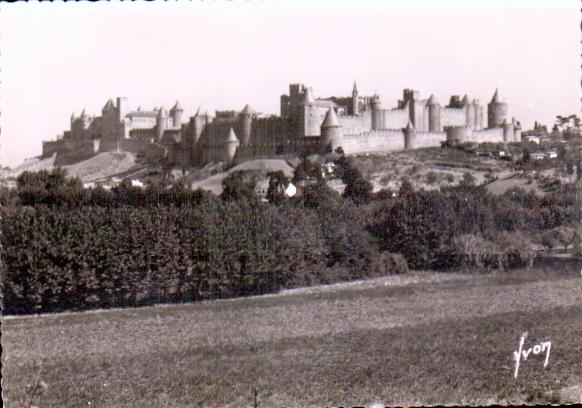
(291, 190)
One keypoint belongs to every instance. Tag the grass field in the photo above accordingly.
(425, 338)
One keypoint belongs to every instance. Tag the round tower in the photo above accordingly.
(161, 123)
(176, 113)
(83, 118)
(197, 126)
(434, 114)
(507, 131)
(409, 136)
(230, 145)
(478, 122)
(517, 133)
(458, 134)
(469, 112)
(376, 106)
(331, 132)
(308, 117)
(496, 111)
(355, 107)
(245, 122)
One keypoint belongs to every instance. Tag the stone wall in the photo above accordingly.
(429, 139)
(270, 130)
(393, 118)
(373, 141)
(453, 117)
(356, 124)
(71, 151)
(494, 135)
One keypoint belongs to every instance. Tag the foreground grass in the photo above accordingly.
(422, 339)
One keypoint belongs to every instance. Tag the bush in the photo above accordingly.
(239, 185)
(431, 177)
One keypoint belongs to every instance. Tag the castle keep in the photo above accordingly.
(306, 124)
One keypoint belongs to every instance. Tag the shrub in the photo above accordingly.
(431, 177)
(239, 185)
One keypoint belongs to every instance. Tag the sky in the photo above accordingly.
(60, 58)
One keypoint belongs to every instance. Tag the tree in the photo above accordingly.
(319, 194)
(468, 179)
(51, 188)
(570, 168)
(549, 239)
(566, 235)
(278, 182)
(406, 188)
(239, 185)
(357, 187)
(431, 177)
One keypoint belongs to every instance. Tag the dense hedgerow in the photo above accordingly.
(69, 248)
(124, 253)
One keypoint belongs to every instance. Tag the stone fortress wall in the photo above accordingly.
(307, 124)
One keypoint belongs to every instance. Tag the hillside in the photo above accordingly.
(214, 183)
(97, 168)
(32, 164)
(102, 166)
(425, 338)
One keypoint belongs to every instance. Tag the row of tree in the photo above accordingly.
(64, 248)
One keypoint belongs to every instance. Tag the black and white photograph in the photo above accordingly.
(291, 203)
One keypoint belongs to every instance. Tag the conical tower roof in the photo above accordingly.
(465, 100)
(162, 113)
(495, 98)
(308, 97)
(247, 110)
(177, 107)
(433, 100)
(231, 138)
(108, 105)
(197, 112)
(355, 89)
(83, 114)
(331, 119)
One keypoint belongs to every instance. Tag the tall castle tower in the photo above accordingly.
(230, 145)
(331, 132)
(161, 123)
(478, 114)
(355, 105)
(409, 136)
(176, 114)
(308, 118)
(246, 121)
(376, 105)
(434, 114)
(496, 111)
